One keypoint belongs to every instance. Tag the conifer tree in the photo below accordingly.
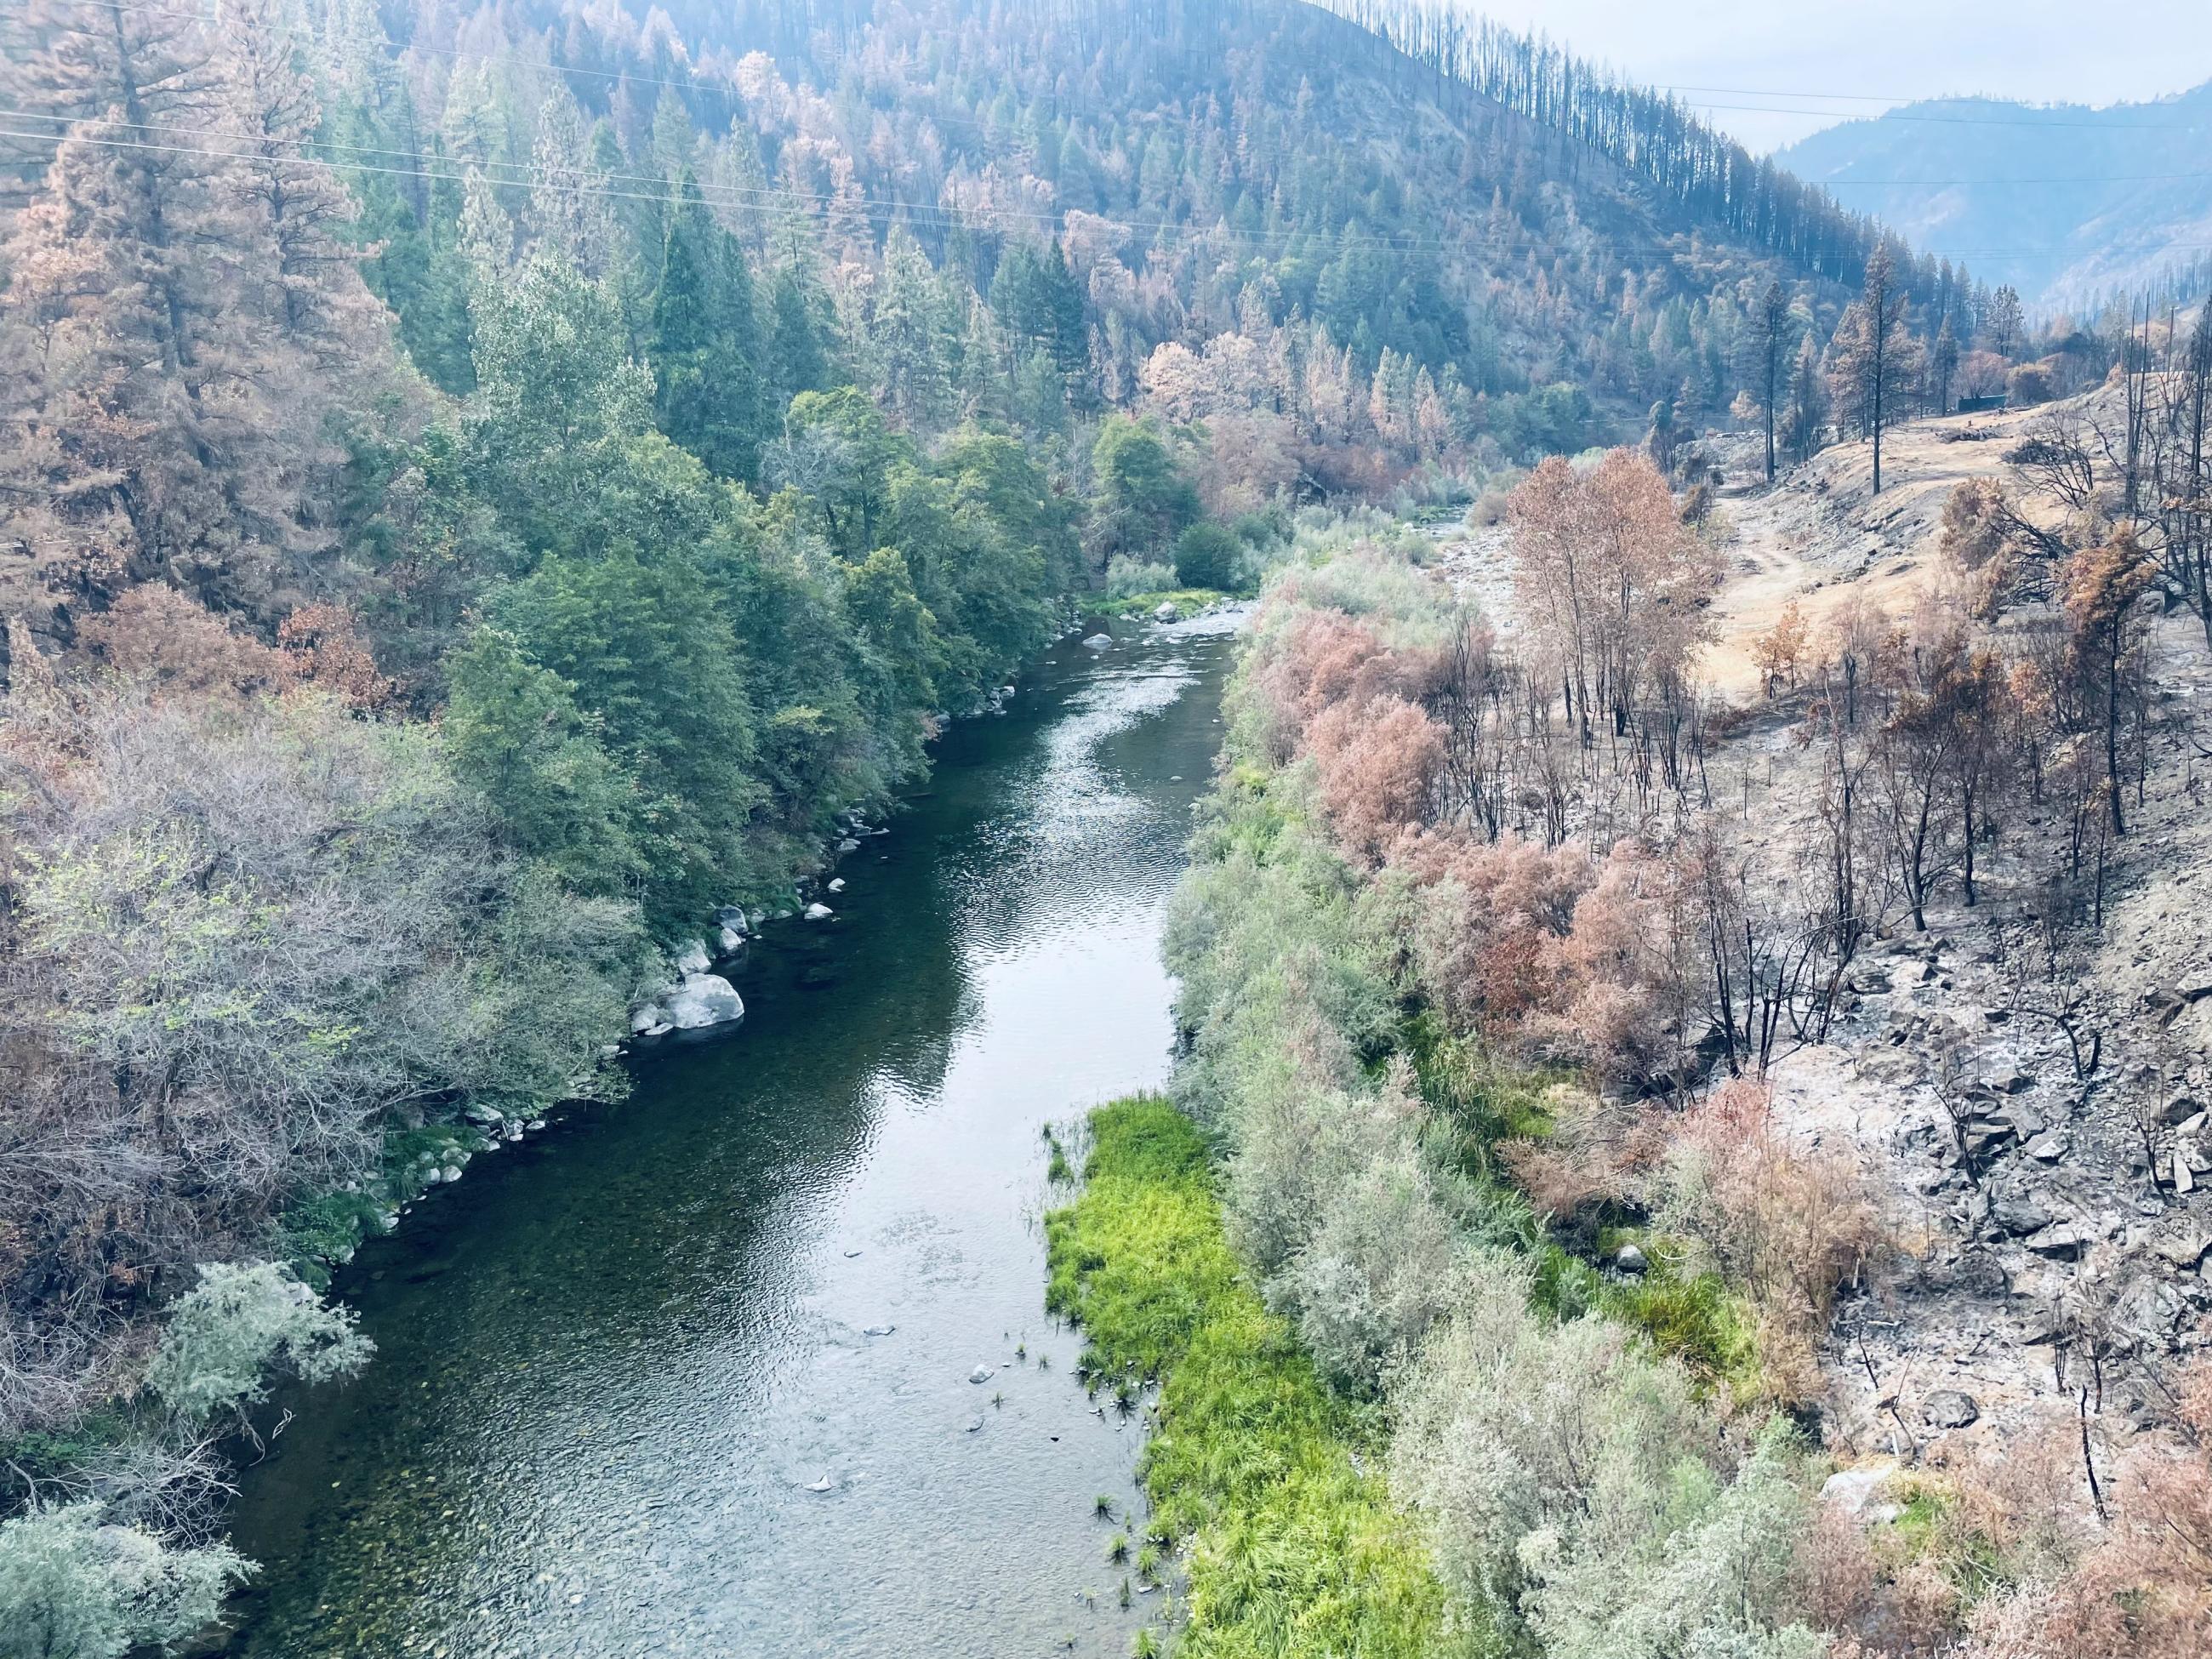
(705, 342)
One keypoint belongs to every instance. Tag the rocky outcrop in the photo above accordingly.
(704, 999)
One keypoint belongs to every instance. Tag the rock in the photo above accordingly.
(2062, 1242)
(1950, 1408)
(980, 1374)
(728, 942)
(690, 957)
(449, 1173)
(2178, 1110)
(1629, 1259)
(819, 913)
(823, 1485)
(1165, 612)
(848, 845)
(704, 999)
(2012, 1082)
(1099, 641)
(732, 916)
(975, 1424)
(1852, 1492)
(1871, 983)
(874, 1330)
(2182, 1246)
(647, 1017)
(838, 885)
(2048, 1148)
(2184, 1178)
(2018, 1214)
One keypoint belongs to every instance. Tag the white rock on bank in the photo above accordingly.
(691, 958)
(819, 913)
(838, 885)
(704, 999)
(646, 1019)
(1166, 611)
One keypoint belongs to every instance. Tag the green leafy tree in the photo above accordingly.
(650, 655)
(1205, 556)
(515, 733)
(1144, 500)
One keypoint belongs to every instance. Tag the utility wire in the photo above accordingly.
(949, 216)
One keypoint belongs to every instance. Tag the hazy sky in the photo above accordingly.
(2043, 51)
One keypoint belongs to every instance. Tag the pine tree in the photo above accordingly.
(705, 342)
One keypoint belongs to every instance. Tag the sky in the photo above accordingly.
(1863, 55)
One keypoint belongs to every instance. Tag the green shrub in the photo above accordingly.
(1206, 556)
(1294, 1549)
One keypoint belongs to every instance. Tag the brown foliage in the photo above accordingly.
(1376, 763)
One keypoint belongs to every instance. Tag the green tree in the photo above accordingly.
(1205, 556)
(515, 733)
(1144, 500)
(650, 655)
(705, 342)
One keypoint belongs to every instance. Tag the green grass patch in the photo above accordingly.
(1292, 1548)
(1188, 601)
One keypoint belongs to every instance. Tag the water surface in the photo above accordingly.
(613, 1361)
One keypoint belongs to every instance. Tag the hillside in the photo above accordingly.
(2100, 200)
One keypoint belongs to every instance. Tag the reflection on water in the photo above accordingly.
(690, 1375)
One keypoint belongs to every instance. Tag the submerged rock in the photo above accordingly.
(704, 999)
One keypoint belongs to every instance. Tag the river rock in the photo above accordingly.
(647, 1017)
(823, 1484)
(819, 913)
(980, 1374)
(690, 957)
(874, 1330)
(1099, 641)
(1165, 612)
(704, 999)
(837, 885)
(1950, 1408)
(729, 941)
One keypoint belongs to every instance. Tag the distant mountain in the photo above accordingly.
(2066, 202)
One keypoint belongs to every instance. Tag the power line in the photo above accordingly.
(951, 216)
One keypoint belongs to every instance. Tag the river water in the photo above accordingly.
(615, 1361)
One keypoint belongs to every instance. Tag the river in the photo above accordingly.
(615, 1362)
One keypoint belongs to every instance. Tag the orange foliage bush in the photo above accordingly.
(1376, 763)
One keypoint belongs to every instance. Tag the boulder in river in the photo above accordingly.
(819, 913)
(730, 941)
(704, 999)
(837, 885)
(1165, 612)
(647, 1017)
(1099, 641)
(980, 1374)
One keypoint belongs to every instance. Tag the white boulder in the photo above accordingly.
(691, 958)
(704, 999)
(1165, 612)
(819, 913)
(1099, 641)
